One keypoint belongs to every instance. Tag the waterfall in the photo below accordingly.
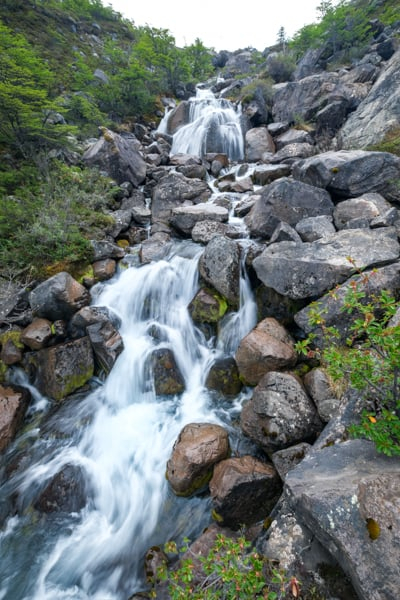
(214, 126)
(120, 435)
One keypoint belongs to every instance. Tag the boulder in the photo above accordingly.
(103, 249)
(285, 460)
(155, 247)
(293, 136)
(58, 297)
(219, 266)
(280, 413)
(118, 156)
(379, 113)
(104, 269)
(351, 173)
(319, 388)
(264, 174)
(266, 348)
(243, 490)
(349, 497)
(203, 231)
(288, 201)
(198, 448)
(184, 218)
(88, 315)
(223, 377)
(308, 270)
(291, 153)
(106, 342)
(173, 191)
(367, 206)
(168, 380)
(64, 368)
(65, 492)
(13, 404)
(207, 306)
(37, 334)
(332, 305)
(311, 229)
(257, 141)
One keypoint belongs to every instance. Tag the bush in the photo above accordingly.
(368, 362)
(230, 570)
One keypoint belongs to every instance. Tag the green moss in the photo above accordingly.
(14, 335)
(216, 516)
(3, 371)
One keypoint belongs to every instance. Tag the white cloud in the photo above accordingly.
(221, 25)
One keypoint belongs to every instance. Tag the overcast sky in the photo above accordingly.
(218, 24)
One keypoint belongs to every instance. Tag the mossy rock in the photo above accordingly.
(208, 306)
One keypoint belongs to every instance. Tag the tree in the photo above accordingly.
(282, 39)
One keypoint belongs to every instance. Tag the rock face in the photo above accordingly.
(220, 267)
(308, 270)
(244, 490)
(351, 173)
(280, 413)
(378, 113)
(350, 498)
(198, 448)
(64, 368)
(266, 348)
(58, 297)
(13, 405)
(288, 201)
(118, 156)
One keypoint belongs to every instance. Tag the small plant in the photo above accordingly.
(230, 570)
(368, 361)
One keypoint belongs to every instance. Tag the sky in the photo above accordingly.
(218, 24)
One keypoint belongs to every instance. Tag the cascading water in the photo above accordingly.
(120, 436)
(214, 126)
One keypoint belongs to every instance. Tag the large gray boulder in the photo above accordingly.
(118, 156)
(378, 113)
(219, 266)
(280, 413)
(174, 190)
(58, 297)
(184, 218)
(349, 496)
(351, 173)
(258, 141)
(308, 270)
(288, 201)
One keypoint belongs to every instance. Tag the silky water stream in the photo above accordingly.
(120, 436)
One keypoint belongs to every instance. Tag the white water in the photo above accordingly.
(121, 436)
(214, 126)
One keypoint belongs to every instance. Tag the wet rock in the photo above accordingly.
(198, 448)
(87, 316)
(219, 266)
(37, 334)
(168, 380)
(258, 140)
(285, 200)
(64, 368)
(244, 490)
(337, 492)
(266, 348)
(13, 404)
(351, 173)
(66, 492)
(58, 297)
(310, 269)
(10, 353)
(280, 413)
(223, 377)
(154, 248)
(106, 342)
(104, 269)
(119, 156)
(207, 306)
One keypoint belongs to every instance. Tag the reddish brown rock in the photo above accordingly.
(37, 334)
(198, 448)
(268, 347)
(13, 404)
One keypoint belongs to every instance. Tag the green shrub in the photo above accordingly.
(230, 570)
(368, 362)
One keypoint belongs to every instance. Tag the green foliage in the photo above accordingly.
(369, 361)
(281, 66)
(258, 88)
(55, 221)
(230, 570)
(390, 143)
